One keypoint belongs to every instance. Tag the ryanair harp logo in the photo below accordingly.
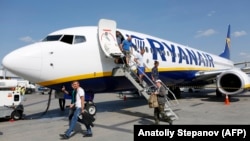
(228, 42)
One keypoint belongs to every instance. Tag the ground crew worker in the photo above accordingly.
(22, 90)
(18, 89)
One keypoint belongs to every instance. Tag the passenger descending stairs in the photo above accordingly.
(106, 32)
(145, 89)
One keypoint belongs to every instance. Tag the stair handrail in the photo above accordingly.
(150, 80)
(170, 101)
(136, 65)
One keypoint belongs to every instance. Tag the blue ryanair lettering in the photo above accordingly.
(156, 47)
(201, 60)
(185, 54)
(205, 59)
(192, 56)
(171, 50)
(210, 60)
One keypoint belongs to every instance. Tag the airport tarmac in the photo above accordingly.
(116, 117)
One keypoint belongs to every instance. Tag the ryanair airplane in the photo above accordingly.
(87, 54)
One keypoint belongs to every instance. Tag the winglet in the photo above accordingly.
(226, 52)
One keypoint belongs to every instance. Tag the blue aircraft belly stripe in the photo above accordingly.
(110, 83)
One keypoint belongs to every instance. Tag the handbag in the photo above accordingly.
(152, 101)
(86, 118)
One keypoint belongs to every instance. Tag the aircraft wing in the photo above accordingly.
(245, 68)
(208, 75)
(228, 81)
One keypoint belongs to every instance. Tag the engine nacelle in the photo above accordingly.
(232, 82)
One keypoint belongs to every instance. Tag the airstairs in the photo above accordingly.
(147, 87)
(108, 44)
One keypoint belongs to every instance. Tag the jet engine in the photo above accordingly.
(232, 82)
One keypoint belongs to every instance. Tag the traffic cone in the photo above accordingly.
(227, 100)
(11, 120)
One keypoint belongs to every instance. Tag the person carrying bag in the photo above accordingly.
(160, 93)
(153, 101)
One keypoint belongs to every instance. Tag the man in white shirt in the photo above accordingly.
(140, 64)
(78, 106)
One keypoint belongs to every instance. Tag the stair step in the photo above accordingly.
(167, 110)
(173, 118)
(144, 89)
(169, 114)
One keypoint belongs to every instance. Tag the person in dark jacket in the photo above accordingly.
(161, 93)
(155, 72)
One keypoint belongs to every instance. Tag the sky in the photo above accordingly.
(198, 24)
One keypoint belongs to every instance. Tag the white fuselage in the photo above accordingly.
(54, 63)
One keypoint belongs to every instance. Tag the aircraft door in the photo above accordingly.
(107, 38)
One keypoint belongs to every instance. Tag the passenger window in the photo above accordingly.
(163, 52)
(173, 54)
(67, 39)
(79, 39)
(167, 53)
(183, 57)
(146, 48)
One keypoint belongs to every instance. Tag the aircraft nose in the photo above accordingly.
(25, 62)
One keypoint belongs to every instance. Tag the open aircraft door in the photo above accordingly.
(107, 38)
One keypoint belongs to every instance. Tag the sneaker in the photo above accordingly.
(72, 132)
(88, 135)
(64, 136)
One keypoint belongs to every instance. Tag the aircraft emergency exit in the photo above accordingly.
(87, 54)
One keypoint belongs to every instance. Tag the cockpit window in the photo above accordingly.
(79, 39)
(67, 39)
(52, 38)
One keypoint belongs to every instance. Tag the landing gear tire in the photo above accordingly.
(176, 91)
(16, 115)
(190, 90)
(29, 91)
